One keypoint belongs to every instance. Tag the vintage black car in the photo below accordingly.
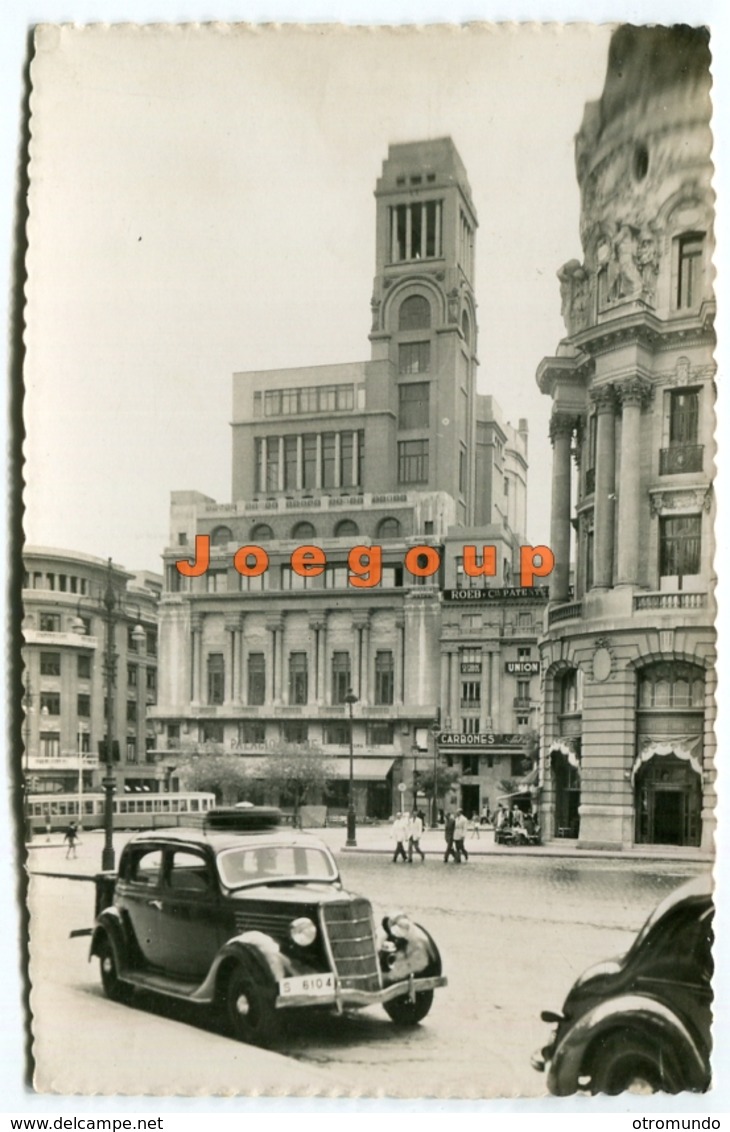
(256, 921)
(641, 1022)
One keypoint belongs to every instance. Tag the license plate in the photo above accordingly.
(307, 984)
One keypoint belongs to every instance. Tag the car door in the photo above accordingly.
(192, 912)
(139, 891)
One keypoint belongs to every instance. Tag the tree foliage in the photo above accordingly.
(446, 778)
(223, 775)
(299, 777)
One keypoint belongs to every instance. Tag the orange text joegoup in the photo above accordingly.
(365, 563)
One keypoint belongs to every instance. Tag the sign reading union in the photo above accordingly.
(479, 739)
(522, 667)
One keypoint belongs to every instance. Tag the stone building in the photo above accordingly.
(376, 464)
(64, 640)
(628, 660)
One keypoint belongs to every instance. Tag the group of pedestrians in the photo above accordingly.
(408, 830)
(456, 827)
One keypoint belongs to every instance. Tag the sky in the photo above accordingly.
(202, 203)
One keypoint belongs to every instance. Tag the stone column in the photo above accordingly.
(486, 708)
(399, 661)
(281, 666)
(633, 394)
(561, 431)
(196, 655)
(322, 662)
(315, 625)
(604, 399)
(444, 698)
(494, 679)
(230, 660)
(455, 707)
(361, 625)
(272, 628)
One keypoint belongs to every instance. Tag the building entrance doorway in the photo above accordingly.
(566, 789)
(668, 802)
(470, 799)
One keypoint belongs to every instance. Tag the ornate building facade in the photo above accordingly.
(65, 683)
(628, 659)
(384, 456)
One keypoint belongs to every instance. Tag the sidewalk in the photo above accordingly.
(377, 839)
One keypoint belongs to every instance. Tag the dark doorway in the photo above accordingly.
(470, 799)
(668, 802)
(566, 784)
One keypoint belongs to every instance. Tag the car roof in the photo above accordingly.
(218, 840)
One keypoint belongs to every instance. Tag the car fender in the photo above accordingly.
(642, 1015)
(110, 925)
(252, 946)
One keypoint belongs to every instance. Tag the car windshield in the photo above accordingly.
(262, 864)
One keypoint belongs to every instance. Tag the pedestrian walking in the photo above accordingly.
(461, 826)
(71, 836)
(475, 826)
(449, 827)
(415, 832)
(400, 834)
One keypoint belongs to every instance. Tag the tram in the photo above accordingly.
(131, 811)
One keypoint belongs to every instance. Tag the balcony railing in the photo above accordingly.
(680, 458)
(566, 612)
(521, 703)
(680, 600)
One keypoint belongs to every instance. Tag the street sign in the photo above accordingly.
(402, 787)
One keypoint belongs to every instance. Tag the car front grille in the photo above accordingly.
(349, 927)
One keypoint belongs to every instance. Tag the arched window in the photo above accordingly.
(221, 535)
(570, 692)
(466, 327)
(389, 528)
(414, 313)
(262, 532)
(346, 527)
(671, 684)
(303, 530)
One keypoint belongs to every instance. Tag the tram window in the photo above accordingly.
(183, 805)
(148, 805)
(88, 807)
(166, 806)
(194, 805)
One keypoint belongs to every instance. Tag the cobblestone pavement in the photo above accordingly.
(514, 931)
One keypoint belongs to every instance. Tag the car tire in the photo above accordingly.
(406, 1013)
(626, 1061)
(250, 996)
(114, 987)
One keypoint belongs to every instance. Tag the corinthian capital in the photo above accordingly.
(561, 425)
(603, 398)
(634, 391)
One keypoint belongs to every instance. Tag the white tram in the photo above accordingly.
(131, 811)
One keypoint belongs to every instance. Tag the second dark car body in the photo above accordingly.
(641, 1021)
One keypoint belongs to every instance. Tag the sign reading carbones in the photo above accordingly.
(366, 562)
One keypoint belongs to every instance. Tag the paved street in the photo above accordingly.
(514, 931)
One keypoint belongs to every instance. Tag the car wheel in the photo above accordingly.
(250, 997)
(406, 1013)
(114, 987)
(625, 1062)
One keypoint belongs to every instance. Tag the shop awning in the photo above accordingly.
(364, 769)
(372, 769)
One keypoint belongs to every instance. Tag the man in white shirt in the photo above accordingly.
(415, 831)
(400, 833)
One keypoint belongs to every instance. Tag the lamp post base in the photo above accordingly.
(351, 842)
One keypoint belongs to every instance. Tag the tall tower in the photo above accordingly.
(424, 315)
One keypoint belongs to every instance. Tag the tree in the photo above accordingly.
(223, 775)
(299, 777)
(531, 749)
(447, 777)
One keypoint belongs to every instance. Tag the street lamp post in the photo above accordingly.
(415, 776)
(351, 841)
(109, 604)
(435, 732)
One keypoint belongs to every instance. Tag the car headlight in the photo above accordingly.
(303, 931)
